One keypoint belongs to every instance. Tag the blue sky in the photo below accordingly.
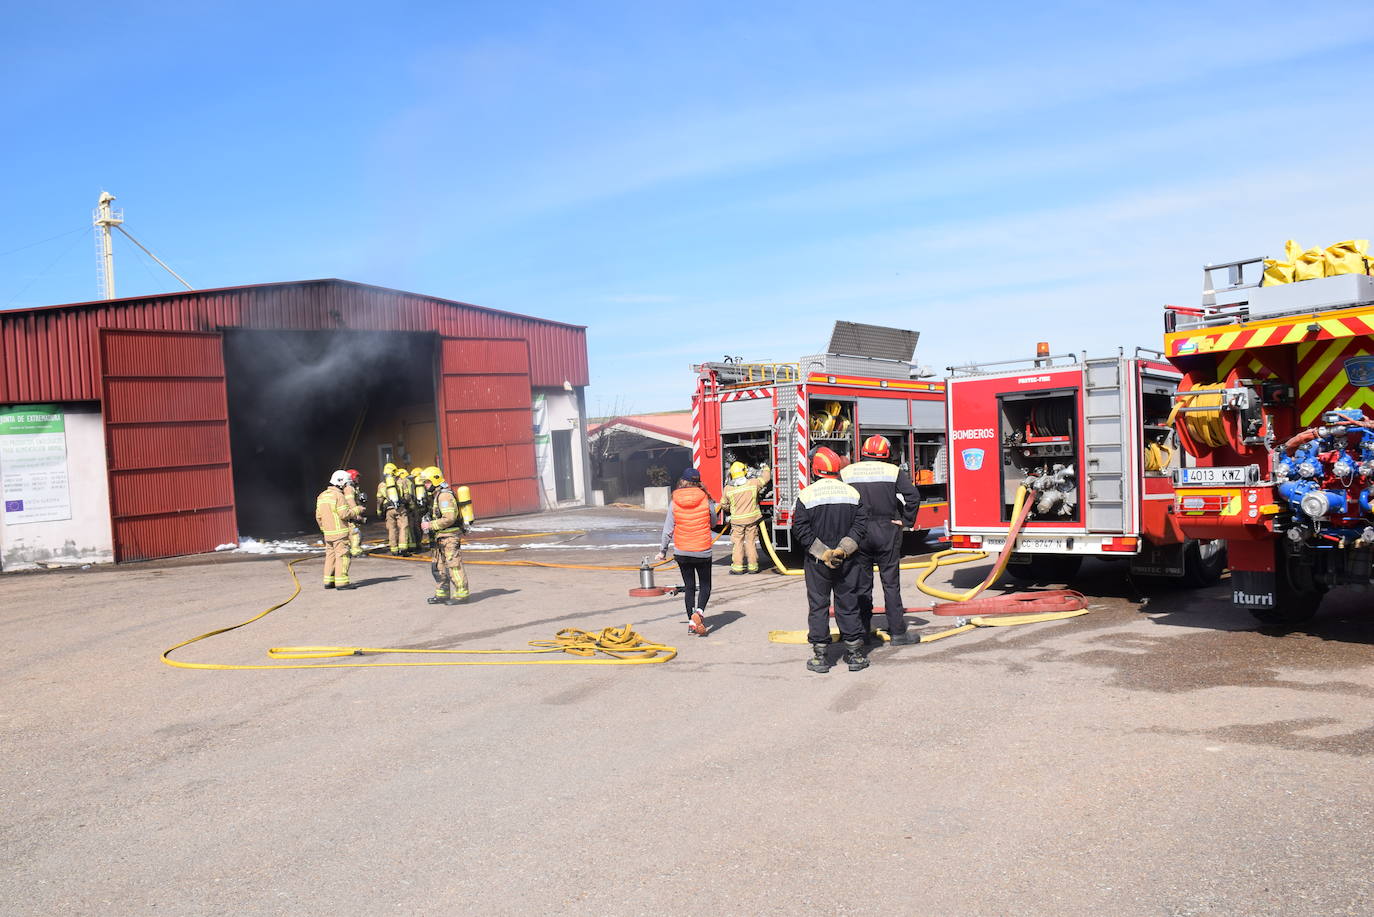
(692, 180)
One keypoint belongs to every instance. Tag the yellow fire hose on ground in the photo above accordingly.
(618, 646)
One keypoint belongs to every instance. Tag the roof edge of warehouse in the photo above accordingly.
(290, 283)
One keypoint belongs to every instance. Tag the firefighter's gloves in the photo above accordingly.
(834, 557)
(424, 525)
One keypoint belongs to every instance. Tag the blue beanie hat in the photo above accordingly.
(691, 474)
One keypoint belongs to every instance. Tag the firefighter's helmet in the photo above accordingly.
(339, 478)
(417, 472)
(402, 473)
(876, 447)
(738, 470)
(825, 463)
(433, 475)
(353, 475)
(389, 468)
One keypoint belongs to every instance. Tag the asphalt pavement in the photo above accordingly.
(1158, 756)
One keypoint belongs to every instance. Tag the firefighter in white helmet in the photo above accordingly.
(741, 499)
(335, 513)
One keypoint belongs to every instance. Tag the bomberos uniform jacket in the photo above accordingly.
(879, 485)
(829, 514)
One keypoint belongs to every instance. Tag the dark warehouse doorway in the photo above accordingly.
(304, 403)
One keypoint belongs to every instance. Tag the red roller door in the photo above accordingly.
(488, 435)
(166, 443)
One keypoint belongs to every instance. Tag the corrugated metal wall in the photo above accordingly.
(52, 354)
(166, 443)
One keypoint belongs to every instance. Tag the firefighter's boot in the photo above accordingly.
(817, 661)
(439, 598)
(905, 638)
(854, 655)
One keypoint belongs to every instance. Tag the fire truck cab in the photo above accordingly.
(1277, 405)
(1088, 440)
(779, 413)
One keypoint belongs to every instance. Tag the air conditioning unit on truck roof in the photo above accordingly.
(1276, 404)
(779, 413)
(1087, 439)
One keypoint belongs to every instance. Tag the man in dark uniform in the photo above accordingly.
(892, 501)
(827, 522)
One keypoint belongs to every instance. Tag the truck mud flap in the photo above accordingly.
(1158, 560)
(1254, 588)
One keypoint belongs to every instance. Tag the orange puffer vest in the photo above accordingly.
(691, 519)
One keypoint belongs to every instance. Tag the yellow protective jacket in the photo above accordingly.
(332, 513)
(445, 519)
(743, 498)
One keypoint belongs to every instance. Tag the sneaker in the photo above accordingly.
(697, 625)
(905, 638)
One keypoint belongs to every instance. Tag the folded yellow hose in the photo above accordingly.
(1019, 512)
(621, 645)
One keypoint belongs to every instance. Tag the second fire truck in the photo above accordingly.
(1087, 438)
(779, 413)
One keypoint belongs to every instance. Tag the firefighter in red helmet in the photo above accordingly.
(892, 501)
(827, 522)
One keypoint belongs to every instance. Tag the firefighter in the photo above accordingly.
(357, 499)
(333, 514)
(827, 522)
(389, 505)
(892, 501)
(419, 505)
(447, 525)
(406, 488)
(741, 498)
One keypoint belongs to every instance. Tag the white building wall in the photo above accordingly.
(557, 409)
(86, 537)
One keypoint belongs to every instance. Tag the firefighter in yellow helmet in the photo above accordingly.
(419, 505)
(741, 499)
(447, 522)
(406, 488)
(391, 508)
(333, 514)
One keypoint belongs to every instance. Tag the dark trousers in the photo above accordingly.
(821, 583)
(696, 581)
(883, 547)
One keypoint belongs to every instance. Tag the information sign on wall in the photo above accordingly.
(33, 464)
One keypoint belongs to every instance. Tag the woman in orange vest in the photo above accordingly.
(691, 514)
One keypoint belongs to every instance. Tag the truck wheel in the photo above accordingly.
(1298, 596)
(1045, 569)
(1203, 564)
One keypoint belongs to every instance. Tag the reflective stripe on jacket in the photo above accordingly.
(886, 490)
(332, 513)
(743, 498)
(828, 511)
(447, 520)
(691, 517)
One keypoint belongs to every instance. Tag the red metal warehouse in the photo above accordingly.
(221, 406)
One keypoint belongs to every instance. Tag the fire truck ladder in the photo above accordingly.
(1104, 444)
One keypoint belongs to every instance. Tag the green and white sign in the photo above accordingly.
(33, 464)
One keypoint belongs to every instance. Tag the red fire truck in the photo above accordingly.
(1087, 438)
(779, 413)
(1276, 384)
